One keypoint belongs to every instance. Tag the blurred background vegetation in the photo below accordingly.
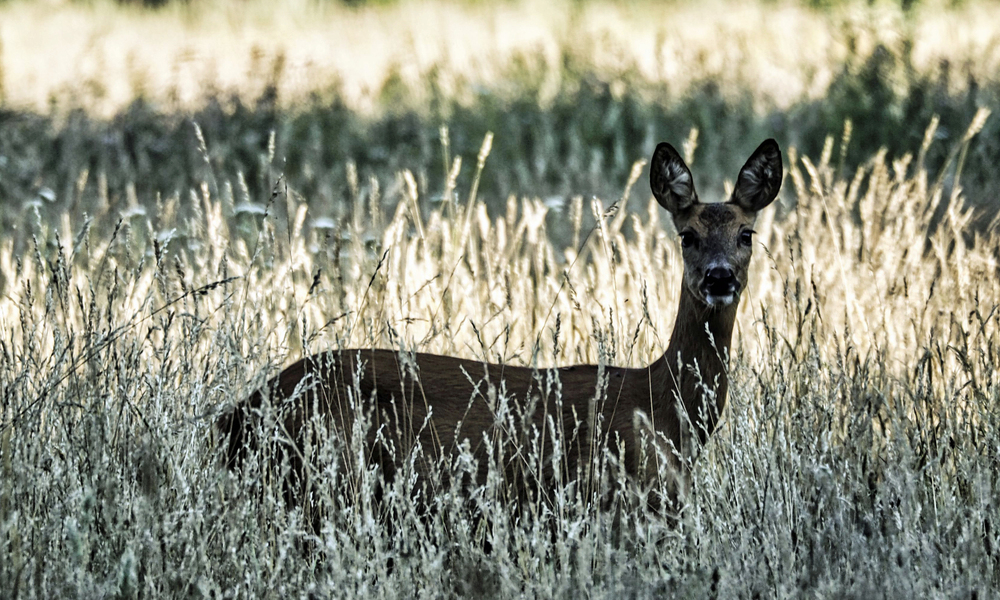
(98, 99)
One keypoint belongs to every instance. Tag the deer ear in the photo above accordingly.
(670, 180)
(760, 178)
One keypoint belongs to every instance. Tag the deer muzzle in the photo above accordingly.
(720, 286)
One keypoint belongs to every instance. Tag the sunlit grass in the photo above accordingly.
(101, 56)
(857, 456)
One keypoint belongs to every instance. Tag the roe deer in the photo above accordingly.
(442, 402)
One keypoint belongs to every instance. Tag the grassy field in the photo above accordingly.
(164, 251)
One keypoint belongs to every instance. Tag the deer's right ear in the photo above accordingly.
(670, 180)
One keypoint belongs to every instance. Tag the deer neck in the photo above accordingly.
(699, 344)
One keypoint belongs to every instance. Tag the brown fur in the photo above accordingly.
(442, 402)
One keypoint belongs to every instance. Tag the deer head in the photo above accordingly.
(716, 238)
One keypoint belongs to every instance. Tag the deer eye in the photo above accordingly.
(688, 239)
(746, 237)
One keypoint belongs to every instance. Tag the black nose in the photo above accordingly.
(720, 281)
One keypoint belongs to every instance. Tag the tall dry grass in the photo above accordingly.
(97, 99)
(857, 456)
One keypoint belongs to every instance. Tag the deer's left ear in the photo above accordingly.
(760, 178)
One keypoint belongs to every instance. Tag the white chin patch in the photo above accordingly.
(720, 301)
